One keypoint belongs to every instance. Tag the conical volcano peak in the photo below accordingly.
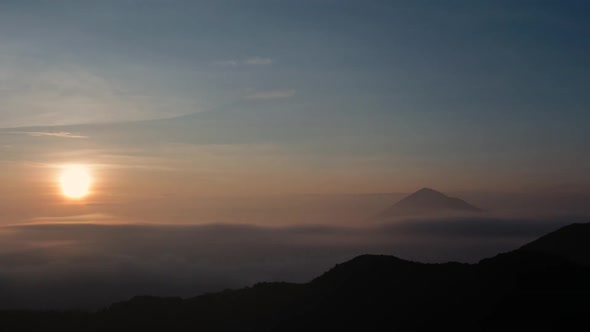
(428, 192)
(428, 201)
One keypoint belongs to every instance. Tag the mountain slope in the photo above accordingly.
(571, 242)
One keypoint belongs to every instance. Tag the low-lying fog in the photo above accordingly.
(89, 265)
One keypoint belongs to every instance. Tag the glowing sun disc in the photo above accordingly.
(75, 181)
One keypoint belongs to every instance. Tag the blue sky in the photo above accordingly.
(384, 94)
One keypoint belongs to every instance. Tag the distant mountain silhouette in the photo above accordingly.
(427, 201)
(529, 289)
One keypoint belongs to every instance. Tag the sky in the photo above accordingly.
(279, 96)
(277, 113)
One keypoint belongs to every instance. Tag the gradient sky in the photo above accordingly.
(173, 101)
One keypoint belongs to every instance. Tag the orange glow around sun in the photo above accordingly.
(75, 181)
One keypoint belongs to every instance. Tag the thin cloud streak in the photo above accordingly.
(258, 61)
(268, 95)
(253, 61)
(59, 134)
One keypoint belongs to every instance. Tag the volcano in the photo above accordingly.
(428, 201)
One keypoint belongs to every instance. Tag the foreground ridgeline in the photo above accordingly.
(543, 286)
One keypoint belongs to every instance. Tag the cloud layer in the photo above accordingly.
(91, 265)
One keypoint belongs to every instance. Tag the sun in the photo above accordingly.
(75, 181)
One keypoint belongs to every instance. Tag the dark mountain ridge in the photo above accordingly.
(571, 242)
(538, 287)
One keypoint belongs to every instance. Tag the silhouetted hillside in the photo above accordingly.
(526, 290)
(571, 242)
(427, 201)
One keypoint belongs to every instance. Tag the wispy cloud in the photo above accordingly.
(59, 134)
(253, 61)
(258, 61)
(275, 94)
(95, 218)
(32, 96)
